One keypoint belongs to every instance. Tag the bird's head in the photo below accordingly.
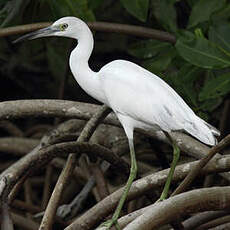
(70, 27)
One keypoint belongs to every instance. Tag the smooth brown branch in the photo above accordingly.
(28, 194)
(139, 187)
(23, 206)
(17, 146)
(11, 128)
(6, 220)
(68, 211)
(37, 159)
(138, 31)
(197, 168)
(48, 139)
(88, 130)
(23, 223)
(218, 223)
(10, 110)
(69, 109)
(101, 184)
(189, 224)
(198, 200)
(201, 218)
(8, 31)
(47, 186)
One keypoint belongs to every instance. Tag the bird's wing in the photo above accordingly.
(135, 92)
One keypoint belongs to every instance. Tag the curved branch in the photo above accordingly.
(17, 146)
(218, 223)
(46, 108)
(102, 209)
(198, 200)
(202, 218)
(69, 109)
(195, 171)
(37, 159)
(86, 133)
(138, 31)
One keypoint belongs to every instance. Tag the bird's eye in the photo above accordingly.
(63, 26)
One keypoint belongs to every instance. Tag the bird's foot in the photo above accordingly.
(109, 223)
(162, 198)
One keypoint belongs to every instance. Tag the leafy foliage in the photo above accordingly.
(203, 53)
(138, 8)
(165, 13)
(78, 8)
(220, 35)
(197, 65)
(202, 11)
(216, 87)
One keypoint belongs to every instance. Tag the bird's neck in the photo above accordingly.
(86, 78)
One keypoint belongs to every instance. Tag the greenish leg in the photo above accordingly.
(132, 175)
(176, 155)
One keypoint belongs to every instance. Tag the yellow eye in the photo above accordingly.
(63, 26)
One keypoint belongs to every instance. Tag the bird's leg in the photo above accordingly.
(132, 175)
(176, 155)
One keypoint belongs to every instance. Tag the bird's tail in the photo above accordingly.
(203, 131)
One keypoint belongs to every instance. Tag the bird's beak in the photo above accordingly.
(48, 31)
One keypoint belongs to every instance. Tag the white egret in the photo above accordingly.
(139, 98)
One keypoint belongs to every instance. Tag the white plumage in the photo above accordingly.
(134, 92)
(139, 98)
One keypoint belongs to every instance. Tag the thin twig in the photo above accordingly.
(6, 220)
(197, 168)
(47, 186)
(101, 184)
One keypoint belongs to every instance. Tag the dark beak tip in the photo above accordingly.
(20, 39)
(35, 34)
(16, 41)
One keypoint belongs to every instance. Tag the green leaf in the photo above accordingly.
(94, 4)
(202, 11)
(221, 36)
(216, 87)
(165, 13)
(210, 104)
(191, 2)
(12, 12)
(147, 48)
(201, 52)
(184, 83)
(222, 14)
(160, 62)
(79, 8)
(138, 8)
